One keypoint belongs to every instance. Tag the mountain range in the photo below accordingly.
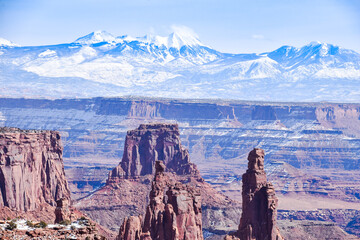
(177, 66)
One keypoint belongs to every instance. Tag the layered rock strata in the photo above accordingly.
(258, 218)
(31, 169)
(174, 216)
(149, 143)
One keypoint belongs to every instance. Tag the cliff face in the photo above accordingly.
(31, 169)
(258, 218)
(178, 217)
(149, 143)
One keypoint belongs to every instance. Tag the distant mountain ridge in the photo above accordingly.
(178, 65)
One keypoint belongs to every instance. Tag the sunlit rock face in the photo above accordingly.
(173, 213)
(149, 143)
(31, 169)
(259, 203)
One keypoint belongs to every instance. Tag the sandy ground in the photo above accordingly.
(308, 202)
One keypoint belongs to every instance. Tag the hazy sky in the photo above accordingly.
(227, 25)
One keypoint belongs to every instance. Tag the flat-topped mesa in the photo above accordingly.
(258, 218)
(31, 169)
(173, 218)
(149, 143)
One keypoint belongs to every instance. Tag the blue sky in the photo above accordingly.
(236, 26)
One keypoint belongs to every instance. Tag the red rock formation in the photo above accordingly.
(131, 228)
(258, 218)
(184, 211)
(178, 217)
(149, 143)
(62, 211)
(33, 184)
(31, 169)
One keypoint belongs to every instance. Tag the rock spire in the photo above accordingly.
(174, 216)
(258, 218)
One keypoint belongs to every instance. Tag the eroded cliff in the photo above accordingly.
(31, 169)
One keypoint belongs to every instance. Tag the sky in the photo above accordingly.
(234, 26)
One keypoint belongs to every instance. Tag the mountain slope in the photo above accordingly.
(177, 65)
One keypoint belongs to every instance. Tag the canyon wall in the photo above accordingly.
(304, 135)
(31, 169)
(312, 149)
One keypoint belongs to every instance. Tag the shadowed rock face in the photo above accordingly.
(31, 169)
(258, 218)
(62, 211)
(175, 217)
(149, 143)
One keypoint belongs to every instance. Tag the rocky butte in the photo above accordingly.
(172, 217)
(258, 218)
(149, 143)
(128, 184)
(31, 170)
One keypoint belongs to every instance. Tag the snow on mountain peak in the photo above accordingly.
(7, 43)
(182, 36)
(321, 49)
(174, 40)
(154, 64)
(315, 43)
(126, 38)
(96, 37)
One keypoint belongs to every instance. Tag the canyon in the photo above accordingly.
(312, 148)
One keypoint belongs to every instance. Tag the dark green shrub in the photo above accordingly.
(11, 225)
(29, 224)
(41, 224)
(65, 222)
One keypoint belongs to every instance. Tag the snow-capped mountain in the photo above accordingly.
(7, 43)
(96, 37)
(178, 65)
